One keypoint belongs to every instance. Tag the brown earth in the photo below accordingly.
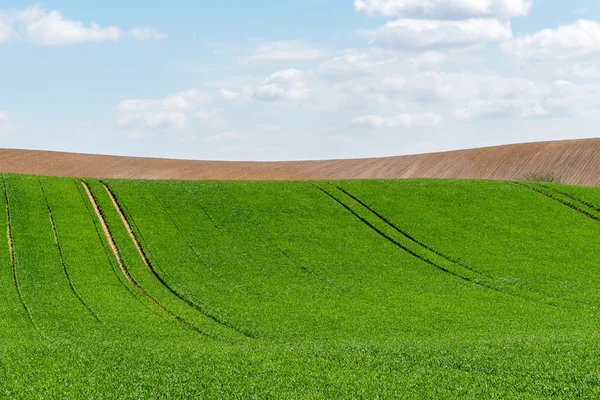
(575, 161)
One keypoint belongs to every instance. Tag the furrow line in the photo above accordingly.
(583, 202)
(563, 202)
(512, 291)
(13, 263)
(217, 227)
(185, 238)
(124, 270)
(406, 234)
(107, 252)
(153, 271)
(60, 253)
(394, 241)
(272, 244)
(434, 250)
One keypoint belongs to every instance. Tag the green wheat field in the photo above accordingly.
(368, 289)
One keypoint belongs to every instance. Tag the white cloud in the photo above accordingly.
(40, 26)
(421, 33)
(433, 86)
(567, 41)
(146, 33)
(401, 120)
(445, 9)
(502, 108)
(269, 127)
(228, 94)
(289, 84)
(210, 117)
(581, 70)
(575, 98)
(169, 112)
(293, 50)
(225, 136)
(6, 32)
(352, 63)
(6, 125)
(430, 60)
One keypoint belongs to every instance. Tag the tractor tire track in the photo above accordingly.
(575, 199)
(562, 201)
(60, 253)
(111, 260)
(187, 241)
(393, 241)
(272, 243)
(478, 280)
(153, 271)
(125, 271)
(428, 247)
(13, 263)
(407, 235)
(217, 227)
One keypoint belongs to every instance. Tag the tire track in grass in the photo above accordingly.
(425, 254)
(152, 270)
(270, 242)
(582, 202)
(124, 270)
(553, 196)
(406, 234)
(185, 238)
(112, 261)
(13, 263)
(60, 253)
(201, 206)
(427, 247)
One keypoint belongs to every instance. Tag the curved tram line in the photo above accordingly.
(160, 279)
(124, 270)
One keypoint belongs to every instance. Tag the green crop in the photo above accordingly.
(343, 289)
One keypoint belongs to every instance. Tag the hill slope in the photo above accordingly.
(328, 289)
(575, 161)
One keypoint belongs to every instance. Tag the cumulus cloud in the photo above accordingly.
(6, 125)
(169, 112)
(502, 108)
(581, 70)
(406, 120)
(445, 9)
(40, 26)
(421, 33)
(210, 117)
(5, 32)
(433, 86)
(430, 60)
(352, 63)
(228, 94)
(293, 50)
(289, 84)
(146, 33)
(567, 41)
(576, 98)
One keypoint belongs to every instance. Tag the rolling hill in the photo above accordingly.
(417, 288)
(575, 161)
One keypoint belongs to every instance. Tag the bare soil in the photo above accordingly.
(574, 161)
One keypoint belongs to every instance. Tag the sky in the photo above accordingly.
(292, 79)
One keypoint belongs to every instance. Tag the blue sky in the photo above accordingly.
(289, 79)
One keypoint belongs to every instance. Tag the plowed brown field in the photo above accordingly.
(575, 161)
